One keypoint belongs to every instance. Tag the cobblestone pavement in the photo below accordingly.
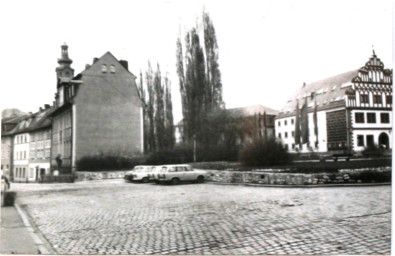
(114, 217)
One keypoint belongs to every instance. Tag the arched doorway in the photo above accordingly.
(384, 141)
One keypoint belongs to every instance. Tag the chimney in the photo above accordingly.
(47, 106)
(124, 63)
(41, 109)
(95, 60)
(304, 84)
(87, 66)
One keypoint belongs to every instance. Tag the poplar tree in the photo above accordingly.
(159, 110)
(169, 122)
(150, 108)
(142, 93)
(199, 80)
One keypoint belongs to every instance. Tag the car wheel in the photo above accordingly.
(175, 181)
(145, 180)
(200, 179)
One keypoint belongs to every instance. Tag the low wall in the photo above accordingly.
(382, 174)
(82, 176)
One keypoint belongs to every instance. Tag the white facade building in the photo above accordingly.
(353, 111)
(21, 156)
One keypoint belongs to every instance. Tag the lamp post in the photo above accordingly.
(194, 148)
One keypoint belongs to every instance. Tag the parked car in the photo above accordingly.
(152, 175)
(5, 186)
(139, 173)
(178, 173)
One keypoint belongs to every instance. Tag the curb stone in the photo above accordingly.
(303, 186)
(42, 249)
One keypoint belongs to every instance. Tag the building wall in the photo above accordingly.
(285, 132)
(62, 140)
(108, 111)
(21, 157)
(40, 154)
(6, 150)
(375, 129)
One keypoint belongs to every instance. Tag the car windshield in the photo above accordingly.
(138, 169)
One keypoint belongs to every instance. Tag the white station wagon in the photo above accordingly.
(177, 173)
(139, 173)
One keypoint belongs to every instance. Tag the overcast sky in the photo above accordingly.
(267, 49)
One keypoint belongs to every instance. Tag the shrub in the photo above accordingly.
(264, 153)
(179, 154)
(372, 150)
(374, 176)
(108, 162)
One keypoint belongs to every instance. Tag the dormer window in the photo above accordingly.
(104, 68)
(112, 69)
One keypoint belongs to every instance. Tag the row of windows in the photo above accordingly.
(40, 136)
(20, 155)
(286, 134)
(40, 153)
(40, 144)
(104, 68)
(377, 99)
(6, 167)
(285, 122)
(371, 118)
(20, 172)
(19, 139)
(369, 140)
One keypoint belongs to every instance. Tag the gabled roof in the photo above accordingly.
(33, 122)
(251, 111)
(110, 54)
(323, 92)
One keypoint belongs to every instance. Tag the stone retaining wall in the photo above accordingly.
(276, 178)
(82, 176)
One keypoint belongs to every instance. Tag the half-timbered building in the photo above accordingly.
(350, 112)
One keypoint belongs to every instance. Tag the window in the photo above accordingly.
(293, 145)
(279, 135)
(24, 154)
(286, 147)
(369, 140)
(388, 99)
(293, 134)
(371, 118)
(359, 118)
(279, 123)
(285, 122)
(112, 69)
(292, 121)
(104, 68)
(385, 118)
(360, 141)
(286, 135)
(377, 99)
(364, 98)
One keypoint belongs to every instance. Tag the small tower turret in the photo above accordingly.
(64, 70)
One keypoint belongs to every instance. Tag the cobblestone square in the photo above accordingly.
(114, 217)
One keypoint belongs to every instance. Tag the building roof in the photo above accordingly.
(32, 122)
(251, 111)
(329, 92)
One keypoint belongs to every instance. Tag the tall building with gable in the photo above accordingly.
(348, 112)
(98, 111)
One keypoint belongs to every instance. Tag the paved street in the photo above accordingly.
(114, 217)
